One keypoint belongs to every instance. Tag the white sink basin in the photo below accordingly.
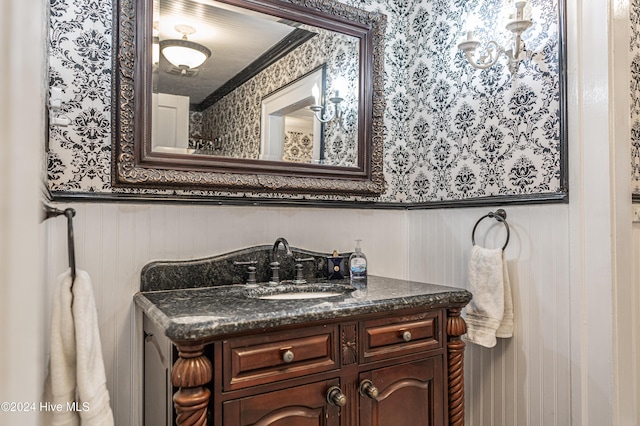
(301, 295)
(299, 291)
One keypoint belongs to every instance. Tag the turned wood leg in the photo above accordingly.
(191, 371)
(456, 327)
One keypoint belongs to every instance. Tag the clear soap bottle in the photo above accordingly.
(358, 265)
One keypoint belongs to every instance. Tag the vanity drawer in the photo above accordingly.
(396, 336)
(255, 360)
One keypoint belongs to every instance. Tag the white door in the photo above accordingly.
(170, 121)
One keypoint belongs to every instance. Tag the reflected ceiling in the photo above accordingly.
(235, 36)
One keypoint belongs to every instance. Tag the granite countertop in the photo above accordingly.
(207, 312)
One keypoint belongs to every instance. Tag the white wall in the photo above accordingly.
(114, 241)
(524, 380)
(634, 318)
(626, 370)
(21, 142)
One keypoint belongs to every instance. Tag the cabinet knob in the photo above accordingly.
(367, 388)
(406, 335)
(287, 356)
(336, 397)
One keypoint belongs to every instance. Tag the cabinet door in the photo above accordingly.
(410, 394)
(298, 406)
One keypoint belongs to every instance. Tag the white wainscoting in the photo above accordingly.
(114, 241)
(524, 380)
(634, 368)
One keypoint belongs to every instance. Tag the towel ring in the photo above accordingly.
(501, 216)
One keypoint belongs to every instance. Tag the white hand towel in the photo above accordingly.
(93, 396)
(76, 368)
(490, 312)
(506, 325)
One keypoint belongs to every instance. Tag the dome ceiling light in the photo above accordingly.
(184, 54)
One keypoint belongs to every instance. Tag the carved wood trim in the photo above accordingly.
(456, 327)
(349, 340)
(350, 417)
(191, 371)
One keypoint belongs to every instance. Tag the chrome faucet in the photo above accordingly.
(275, 265)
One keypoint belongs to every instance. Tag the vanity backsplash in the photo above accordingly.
(232, 268)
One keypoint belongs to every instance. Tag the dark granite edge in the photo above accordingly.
(154, 314)
(201, 329)
(177, 331)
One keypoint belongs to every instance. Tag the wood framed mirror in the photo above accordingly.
(289, 97)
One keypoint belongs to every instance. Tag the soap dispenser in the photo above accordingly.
(358, 264)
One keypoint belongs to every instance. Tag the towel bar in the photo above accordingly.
(50, 212)
(501, 216)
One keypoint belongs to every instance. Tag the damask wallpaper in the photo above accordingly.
(298, 146)
(451, 132)
(634, 47)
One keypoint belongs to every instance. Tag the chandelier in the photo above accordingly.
(319, 107)
(492, 51)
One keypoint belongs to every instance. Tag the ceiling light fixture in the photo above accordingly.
(184, 54)
(493, 49)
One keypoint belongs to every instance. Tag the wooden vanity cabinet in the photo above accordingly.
(400, 368)
(304, 405)
(408, 394)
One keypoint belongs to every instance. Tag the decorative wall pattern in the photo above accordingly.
(451, 132)
(477, 133)
(195, 124)
(298, 146)
(634, 47)
(80, 64)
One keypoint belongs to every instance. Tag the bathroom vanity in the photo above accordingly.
(387, 355)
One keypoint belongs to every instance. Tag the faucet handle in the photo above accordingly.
(275, 273)
(251, 280)
(299, 277)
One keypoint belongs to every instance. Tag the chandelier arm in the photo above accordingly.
(322, 118)
(494, 55)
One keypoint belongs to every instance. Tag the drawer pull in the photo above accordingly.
(367, 388)
(336, 397)
(406, 336)
(287, 356)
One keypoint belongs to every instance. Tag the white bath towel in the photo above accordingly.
(60, 385)
(76, 368)
(490, 312)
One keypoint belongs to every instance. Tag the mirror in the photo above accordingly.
(249, 95)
